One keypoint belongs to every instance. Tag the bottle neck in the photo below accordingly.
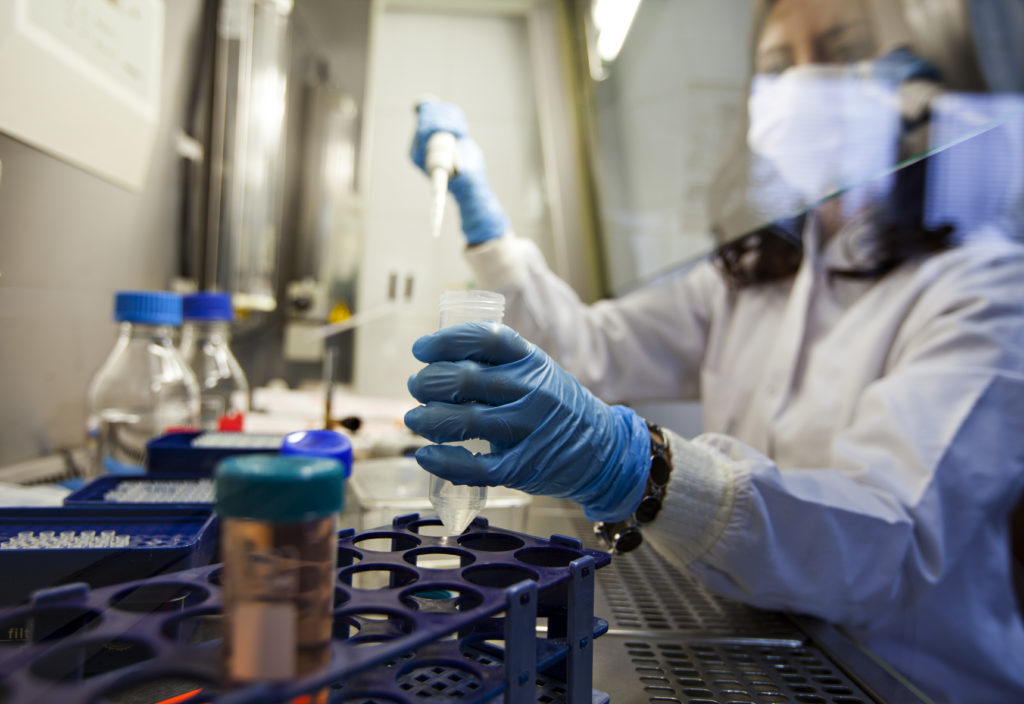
(146, 331)
(212, 330)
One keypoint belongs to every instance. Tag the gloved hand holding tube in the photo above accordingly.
(482, 215)
(549, 435)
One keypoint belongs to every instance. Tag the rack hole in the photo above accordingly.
(377, 576)
(441, 598)
(367, 626)
(386, 542)
(162, 596)
(431, 527)
(491, 542)
(439, 558)
(547, 556)
(90, 658)
(498, 576)
(195, 628)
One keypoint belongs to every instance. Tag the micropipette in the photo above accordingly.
(440, 163)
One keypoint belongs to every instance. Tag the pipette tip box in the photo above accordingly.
(157, 490)
(198, 452)
(47, 546)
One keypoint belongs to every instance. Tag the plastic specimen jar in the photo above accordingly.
(279, 541)
(458, 505)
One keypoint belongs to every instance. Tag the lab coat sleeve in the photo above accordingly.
(648, 344)
(935, 449)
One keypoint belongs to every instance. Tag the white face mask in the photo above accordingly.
(821, 129)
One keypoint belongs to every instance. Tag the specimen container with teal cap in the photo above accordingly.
(279, 525)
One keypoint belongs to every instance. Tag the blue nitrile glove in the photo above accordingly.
(549, 435)
(482, 215)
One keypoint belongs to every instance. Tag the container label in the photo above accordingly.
(263, 641)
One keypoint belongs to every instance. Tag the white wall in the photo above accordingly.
(482, 64)
(68, 241)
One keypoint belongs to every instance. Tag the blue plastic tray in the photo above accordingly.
(465, 632)
(158, 541)
(178, 453)
(96, 492)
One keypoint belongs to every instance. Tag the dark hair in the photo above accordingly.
(774, 252)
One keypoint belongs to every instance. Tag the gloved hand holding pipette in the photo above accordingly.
(482, 215)
(548, 434)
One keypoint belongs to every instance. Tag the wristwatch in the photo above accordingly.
(623, 536)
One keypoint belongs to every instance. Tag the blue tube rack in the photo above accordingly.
(466, 632)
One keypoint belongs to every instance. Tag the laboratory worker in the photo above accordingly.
(861, 372)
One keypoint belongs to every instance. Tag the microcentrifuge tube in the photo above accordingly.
(458, 505)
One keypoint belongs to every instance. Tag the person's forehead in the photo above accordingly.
(790, 19)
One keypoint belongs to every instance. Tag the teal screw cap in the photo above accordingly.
(281, 489)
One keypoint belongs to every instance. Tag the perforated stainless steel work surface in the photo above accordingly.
(645, 593)
(672, 641)
(642, 592)
(685, 672)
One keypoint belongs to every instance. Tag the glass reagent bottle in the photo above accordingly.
(205, 347)
(458, 505)
(143, 388)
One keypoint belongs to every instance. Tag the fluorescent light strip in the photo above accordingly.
(612, 20)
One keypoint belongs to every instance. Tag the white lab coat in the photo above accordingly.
(863, 444)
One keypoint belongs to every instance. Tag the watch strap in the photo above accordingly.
(623, 536)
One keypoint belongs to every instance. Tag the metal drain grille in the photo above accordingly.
(641, 591)
(695, 673)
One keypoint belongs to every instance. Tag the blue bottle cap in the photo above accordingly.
(320, 443)
(148, 307)
(208, 305)
(277, 488)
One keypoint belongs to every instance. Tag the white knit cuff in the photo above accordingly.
(698, 503)
(501, 262)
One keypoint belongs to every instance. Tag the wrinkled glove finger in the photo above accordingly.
(490, 343)
(452, 422)
(457, 464)
(460, 382)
